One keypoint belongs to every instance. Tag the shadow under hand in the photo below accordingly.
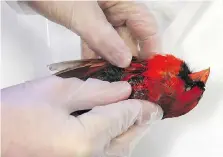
(163, 135)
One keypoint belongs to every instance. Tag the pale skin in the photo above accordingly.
(36, 117)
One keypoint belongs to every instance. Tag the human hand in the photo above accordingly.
(36, 118)
(134, 24)
(100, 25)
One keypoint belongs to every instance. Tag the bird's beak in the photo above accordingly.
(201, 75)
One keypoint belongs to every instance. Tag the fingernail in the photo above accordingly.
(122, 58)
(150, 113)
(124, 87)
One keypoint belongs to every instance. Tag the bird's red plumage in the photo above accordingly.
(159, 65)
(162, 79)
(165, 87)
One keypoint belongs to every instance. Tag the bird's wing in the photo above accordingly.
(78, 68)
(86, 67)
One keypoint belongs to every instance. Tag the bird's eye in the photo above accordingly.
(188, 88)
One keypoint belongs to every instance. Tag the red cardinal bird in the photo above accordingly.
(162, 79)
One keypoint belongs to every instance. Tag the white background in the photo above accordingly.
(191, 30)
